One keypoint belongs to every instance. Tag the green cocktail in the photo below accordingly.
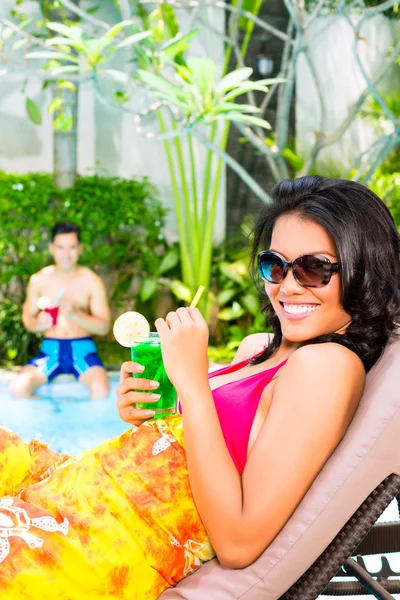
(147, 352)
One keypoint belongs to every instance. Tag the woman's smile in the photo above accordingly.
(295, 311)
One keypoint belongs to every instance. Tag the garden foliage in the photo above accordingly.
(121, 221)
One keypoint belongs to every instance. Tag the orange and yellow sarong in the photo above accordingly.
(117, 521)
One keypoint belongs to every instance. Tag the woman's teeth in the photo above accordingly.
(297, 309)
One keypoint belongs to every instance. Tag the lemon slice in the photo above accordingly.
(129, 325)
(43, 302)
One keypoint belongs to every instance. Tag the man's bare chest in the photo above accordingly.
(76, 291)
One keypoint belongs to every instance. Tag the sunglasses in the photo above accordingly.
(309, 270)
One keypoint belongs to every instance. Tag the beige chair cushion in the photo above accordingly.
(368, 453)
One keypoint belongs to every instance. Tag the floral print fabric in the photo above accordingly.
(117, 521)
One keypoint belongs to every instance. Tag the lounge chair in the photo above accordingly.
(357, 483)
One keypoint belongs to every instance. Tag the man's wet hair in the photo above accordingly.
(65, 227)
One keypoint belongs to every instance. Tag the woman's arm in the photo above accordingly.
(313, 403)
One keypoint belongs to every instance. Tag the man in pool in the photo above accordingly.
(68, 303)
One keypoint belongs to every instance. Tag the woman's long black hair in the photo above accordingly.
(367, 244)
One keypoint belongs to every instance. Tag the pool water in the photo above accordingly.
(63, 416)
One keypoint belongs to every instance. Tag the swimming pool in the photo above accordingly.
(63, 416)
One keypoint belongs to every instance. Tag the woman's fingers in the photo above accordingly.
(129, 398)
(133, 415)
(196, 315)
(172, 320)
(184, 316)
(137, 383)
(129, 367)
(126, 393)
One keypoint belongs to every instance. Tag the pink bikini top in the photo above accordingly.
(236, 403)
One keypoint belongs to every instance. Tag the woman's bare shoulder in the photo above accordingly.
(323, 365)
(329, 353)
(251, 345)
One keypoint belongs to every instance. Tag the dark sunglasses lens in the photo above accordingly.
(271, 268)
(309, 270)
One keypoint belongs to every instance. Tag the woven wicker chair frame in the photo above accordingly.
(360, 535)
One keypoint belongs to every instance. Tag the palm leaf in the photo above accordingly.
(178, 44)
(52, 55)
(133, 39)
(203, 73)
(73, 33)
(226, 107)
(117, 28)
(248, 119)
(158, 83)
(233, 79)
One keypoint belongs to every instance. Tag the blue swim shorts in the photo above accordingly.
(74, 356)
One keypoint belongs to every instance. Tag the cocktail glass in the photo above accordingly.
(147, 352)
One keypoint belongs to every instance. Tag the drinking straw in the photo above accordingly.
(60, 293)
(197, 296)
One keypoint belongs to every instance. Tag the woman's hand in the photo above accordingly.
(184, 340)
(126, 397)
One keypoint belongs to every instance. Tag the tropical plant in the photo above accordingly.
(196, 98)
(239, 303)
(385, 180)
(237, 299)
(89, 54)
(193, 111)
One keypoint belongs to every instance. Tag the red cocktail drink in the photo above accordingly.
(53, 312)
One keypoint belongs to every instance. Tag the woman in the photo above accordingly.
(120, 520)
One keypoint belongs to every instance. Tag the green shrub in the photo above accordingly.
(386, 181)
(121, 223)
(16, 343)
(387, 186)
(121, 220)
(25, 218)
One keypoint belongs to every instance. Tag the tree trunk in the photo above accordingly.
(65, 143)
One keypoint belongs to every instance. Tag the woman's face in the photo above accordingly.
(324, 313)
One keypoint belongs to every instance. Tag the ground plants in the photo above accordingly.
(17, 344)
(237, 298)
